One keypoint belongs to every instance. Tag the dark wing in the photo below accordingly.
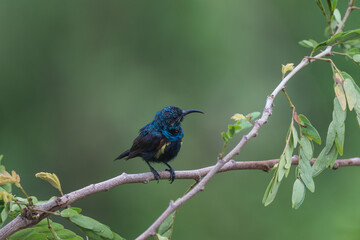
(148, 143)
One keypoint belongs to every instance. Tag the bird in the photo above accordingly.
(160, 140)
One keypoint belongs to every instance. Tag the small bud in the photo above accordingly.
(287, 68)
(51, 178)
(238, 117)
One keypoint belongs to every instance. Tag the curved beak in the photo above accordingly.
(186, 112)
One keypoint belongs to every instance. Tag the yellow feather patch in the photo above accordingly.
(161, 150)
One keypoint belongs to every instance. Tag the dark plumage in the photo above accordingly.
(160, 140)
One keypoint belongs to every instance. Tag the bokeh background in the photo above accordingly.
(79, 78)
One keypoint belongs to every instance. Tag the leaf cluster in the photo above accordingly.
(242, 123)
(308, 133)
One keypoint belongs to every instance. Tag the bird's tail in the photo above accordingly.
(124, 154)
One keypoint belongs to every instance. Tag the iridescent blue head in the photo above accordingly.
(168, 121)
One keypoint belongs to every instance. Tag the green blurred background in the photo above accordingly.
(79, 78)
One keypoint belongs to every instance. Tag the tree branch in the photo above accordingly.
(21, 222)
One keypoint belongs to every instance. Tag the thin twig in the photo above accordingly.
(346, 16)
(52, 229)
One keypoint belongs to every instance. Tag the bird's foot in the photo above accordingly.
(156, 174)
(172, 173)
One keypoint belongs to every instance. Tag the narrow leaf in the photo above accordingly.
(166, 228)
(339, 114)
(330, 138)
(340, 96)
(337, 15)
(305, 170)
(340, 138)
(298, 194)
(324, 160)
(93, 228)
(271, 191)
(308, 129)
(307, 43)
(351, 93)
(295, 136)
(225, 137)
(281, 168)
(288, 154)
(231, 131)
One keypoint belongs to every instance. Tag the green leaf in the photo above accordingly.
(295, 136)
(281, 171)
(66, 234)
(308, 129)
(92, 228)
(28, 234)
(308, 43)
(337, 15)
(340, 137)
(330, 138)
(42, 232)
(253, 115)
(353, 51)
(351, 93)
(347, 76)
(225, 137)
(93, 225)
(339, 115)
(288, 153)
(271, 191)
(70, 212)
(4, 212)
(305, 170)
(231, 131)
(324, 160)
(333, 4)
(237, 129)
(298, 194)
(166, 228)
(356, 58)
(244, 124)
(339, 38)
